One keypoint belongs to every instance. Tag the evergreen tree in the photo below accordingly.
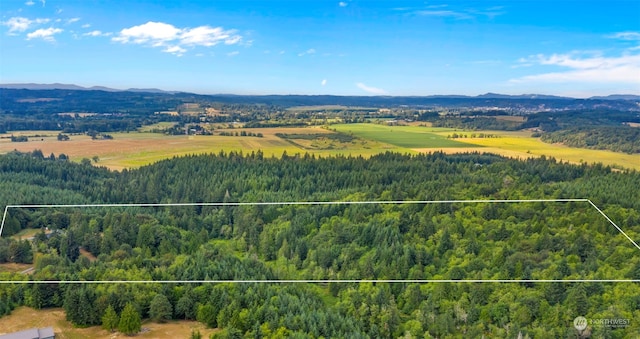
(110, 319)
(79, 305)
(185, 307)
(160, 309)
(130, 322)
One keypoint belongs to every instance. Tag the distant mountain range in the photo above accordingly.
(34, 86)
(80, 88)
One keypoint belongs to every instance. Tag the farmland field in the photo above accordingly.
(24, 318)
(130, 150)
(402, 136)
(514, 144)
(135, 149)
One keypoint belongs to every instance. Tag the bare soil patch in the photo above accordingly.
(12, 268)
(88, 254)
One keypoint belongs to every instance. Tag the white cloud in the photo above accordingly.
(443, 11)
(20, 24)
(309, 51)
(176, 40)
(17, 24)
(444, 14)
(44, 34)
(342, 4)
(592, 68)
(72, 20)
(151, 32)
(234, 53)
(30, 3)
(86, 26)
(96, 33)
(626, 36)
(372, 90)
(323, 82)
(209, 36)
(176, 50)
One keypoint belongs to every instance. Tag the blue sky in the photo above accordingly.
(350, 47)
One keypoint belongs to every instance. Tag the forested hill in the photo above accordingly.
(25, 101)
(432, 241)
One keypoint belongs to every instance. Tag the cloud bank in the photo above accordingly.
(593, 67)
(176, 40)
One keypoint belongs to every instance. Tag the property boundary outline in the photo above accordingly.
(289, 203)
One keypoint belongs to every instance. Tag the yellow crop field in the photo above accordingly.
(520, 144)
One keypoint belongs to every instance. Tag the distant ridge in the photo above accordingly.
(56, 86)
(80, 88)
(618, 97)
(34, 86)
(521, 96)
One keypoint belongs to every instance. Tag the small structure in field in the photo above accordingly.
(34, 333)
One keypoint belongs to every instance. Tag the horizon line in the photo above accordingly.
(15, 85)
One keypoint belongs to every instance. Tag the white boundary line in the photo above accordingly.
(424, 202)
(33, 282)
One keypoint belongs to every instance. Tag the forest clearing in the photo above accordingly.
(27, 317)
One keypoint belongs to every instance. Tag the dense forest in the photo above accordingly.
(32, 101)
(619, 138)
(453, 241)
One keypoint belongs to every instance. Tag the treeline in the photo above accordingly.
(480, 123)
(241, 133)
(69, 125)
(618, 139)
(537, 240)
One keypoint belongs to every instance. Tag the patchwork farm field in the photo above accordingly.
(514, 144)
(135, 149)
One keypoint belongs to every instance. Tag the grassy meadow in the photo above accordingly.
(401, 136)
(24, 318)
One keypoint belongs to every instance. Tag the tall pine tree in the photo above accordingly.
(130, 323)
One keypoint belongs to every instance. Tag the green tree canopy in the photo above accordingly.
(110, 319)
(160, 309)
(130, 322)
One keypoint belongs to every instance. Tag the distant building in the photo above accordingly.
(34, 333)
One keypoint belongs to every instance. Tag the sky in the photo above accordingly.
(556, 47)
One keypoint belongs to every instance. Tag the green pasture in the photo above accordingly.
(159, 125)
(401, 136)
